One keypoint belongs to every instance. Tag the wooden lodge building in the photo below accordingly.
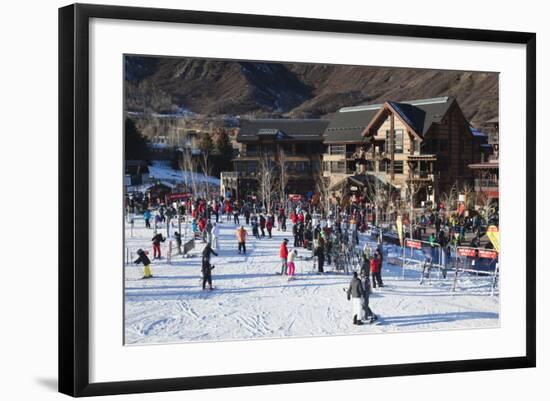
(298, 141)
(426, 143)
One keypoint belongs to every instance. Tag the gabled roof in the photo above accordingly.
(282, 129)
(418, 115)
(349, 123)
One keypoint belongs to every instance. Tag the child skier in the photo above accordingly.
(142, 258)
(292, 256)
(206, 274)
(157, 239)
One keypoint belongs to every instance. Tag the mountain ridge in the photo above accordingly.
(294, 90)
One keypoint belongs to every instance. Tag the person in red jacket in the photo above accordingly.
(293, 217)
(283, 254)
(375, 267)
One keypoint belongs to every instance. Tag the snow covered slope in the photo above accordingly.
(251, 301)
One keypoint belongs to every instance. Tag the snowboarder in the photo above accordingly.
(283, 254)
(157, 239)
(143, 258)
(241, 239)
(355, 294)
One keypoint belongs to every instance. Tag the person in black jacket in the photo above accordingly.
(206, 274)
(207, 251)
(177, 236)
(355, 294)
(320, 253)
(157, 239)
(142, 258)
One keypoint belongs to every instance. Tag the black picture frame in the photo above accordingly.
(74, 201)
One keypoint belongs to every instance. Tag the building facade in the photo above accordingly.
(421, 146)
(292, 145)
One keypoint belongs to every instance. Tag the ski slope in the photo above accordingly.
(251, 302)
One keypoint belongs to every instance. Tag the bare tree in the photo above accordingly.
(413, 189)
(378, 194)
(283, 176)
(206, 168)
(189, 168)
(266, 180)
(322, 185)
(468, 191)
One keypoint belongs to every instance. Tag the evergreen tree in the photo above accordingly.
(224, 152)
(206, 145)
(223, 144)
(135, 144)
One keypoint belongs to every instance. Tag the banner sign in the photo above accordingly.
(468, 252)
(413, 244)
(481, 253)
(487, 253)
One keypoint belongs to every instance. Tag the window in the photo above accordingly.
(338, 167)
(252, 167)
(301, 148)
(337, 149)
(251, 149)
(397, 166)
(398, 140)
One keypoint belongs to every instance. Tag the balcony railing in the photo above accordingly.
(486, 183)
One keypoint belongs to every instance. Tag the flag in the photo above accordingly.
(399, 224)
(494, 237)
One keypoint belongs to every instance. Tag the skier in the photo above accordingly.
(269, 225)
(292, 255)
(368, 313)
(236, 216)
(147, 217)
(241, 239)
(254, 223)
(215, 235)
(206, 274)
(206, 252)
(157, 239)
(262, 224)
(375, 267)
(283, 254)
(355, 293)
(208, 230)
(177, 236)
(143, 258)
(320, 253)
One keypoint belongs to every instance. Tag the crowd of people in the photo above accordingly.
(330, 238)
